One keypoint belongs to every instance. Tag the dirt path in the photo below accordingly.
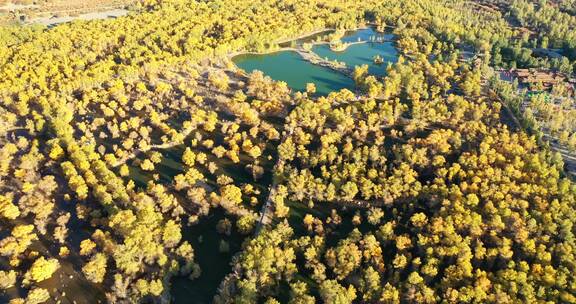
(266, 215)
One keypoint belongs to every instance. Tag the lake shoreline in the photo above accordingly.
(307, 54)
(286, 40)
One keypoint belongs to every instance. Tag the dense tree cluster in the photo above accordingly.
(451, 205)
(116, 134)
(469, 211)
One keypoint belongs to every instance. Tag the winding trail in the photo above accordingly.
(266, 215)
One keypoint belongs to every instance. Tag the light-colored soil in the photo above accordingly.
(51, 12)
(51, 21)
(14, 7)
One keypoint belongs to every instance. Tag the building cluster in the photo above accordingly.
(544, 79)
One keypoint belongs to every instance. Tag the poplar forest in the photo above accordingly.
(289, 151)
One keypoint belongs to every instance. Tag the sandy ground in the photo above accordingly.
(51, 21)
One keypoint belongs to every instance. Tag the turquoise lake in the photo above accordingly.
(288, 66)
